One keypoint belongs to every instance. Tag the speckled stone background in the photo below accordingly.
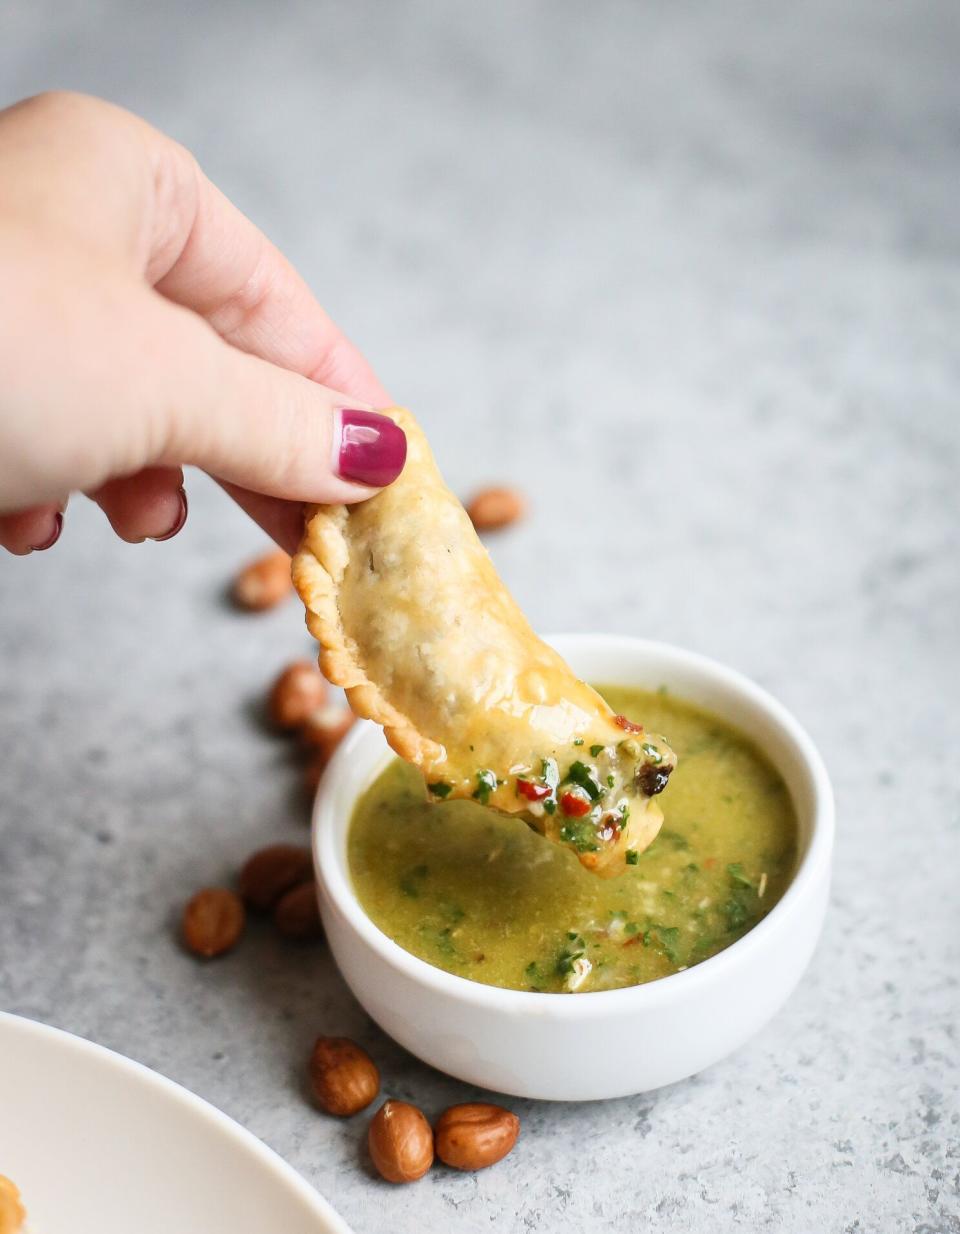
(690, 275)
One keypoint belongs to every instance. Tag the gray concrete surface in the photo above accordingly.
(686, 266)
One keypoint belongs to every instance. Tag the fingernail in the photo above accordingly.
(181, 519)
(372, 448)
(57, 528)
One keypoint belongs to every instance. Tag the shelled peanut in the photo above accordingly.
(345, 1080)
(213, 921)
(343, 1077)
(492, 509)
(263, 583)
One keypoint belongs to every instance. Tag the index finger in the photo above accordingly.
(155, 212)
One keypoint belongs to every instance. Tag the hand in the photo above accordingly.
(145, 324)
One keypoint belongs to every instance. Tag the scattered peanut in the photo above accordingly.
(12, 1212)
(213, 921)
(313, 774)
(343, 1077)
(321, 733)
(263, 583)
(475, 1135)
(493, 508)
(271, 872)
(298, 692)
(325, 727)
(400, 1142)
(297, 914)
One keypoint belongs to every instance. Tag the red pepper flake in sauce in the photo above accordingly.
(532, 791)
(610, 829)
(574, 805)
(628, 726)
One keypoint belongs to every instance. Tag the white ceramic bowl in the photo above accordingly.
(558, 1046)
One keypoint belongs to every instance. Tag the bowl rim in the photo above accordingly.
(333, 873)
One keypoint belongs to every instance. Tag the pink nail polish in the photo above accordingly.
(178, 525)
(372, 448)
(58, 527)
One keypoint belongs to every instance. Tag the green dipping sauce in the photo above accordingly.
(481, 895)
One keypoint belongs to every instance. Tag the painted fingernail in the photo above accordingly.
(372, 448)
(57, 528)
(181, 519)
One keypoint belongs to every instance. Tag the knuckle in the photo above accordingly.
(63, 105)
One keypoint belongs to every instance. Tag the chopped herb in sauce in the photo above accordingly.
(486, 784)
(411, 881)
(586, 778)
(534, 976)
(580, 834)
(596, 750)
(568, 956)
(736, 912)
(440, 789)
(668, 937)
(445, 944)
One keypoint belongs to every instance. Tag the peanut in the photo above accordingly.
(213, 921)
(343, 1077)
(475, 1135)
(400, 1142)
(313, 774)
(271, 872)
(297, 915)
(324, 729)
(493, 508)
(263, 583)
(296, 694)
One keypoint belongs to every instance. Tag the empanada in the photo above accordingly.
(415, 624)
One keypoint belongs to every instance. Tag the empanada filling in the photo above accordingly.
(595, 799)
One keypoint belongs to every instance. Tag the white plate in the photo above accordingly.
(98, 1144)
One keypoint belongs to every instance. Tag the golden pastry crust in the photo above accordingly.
(417, 627)
(12, 1212)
